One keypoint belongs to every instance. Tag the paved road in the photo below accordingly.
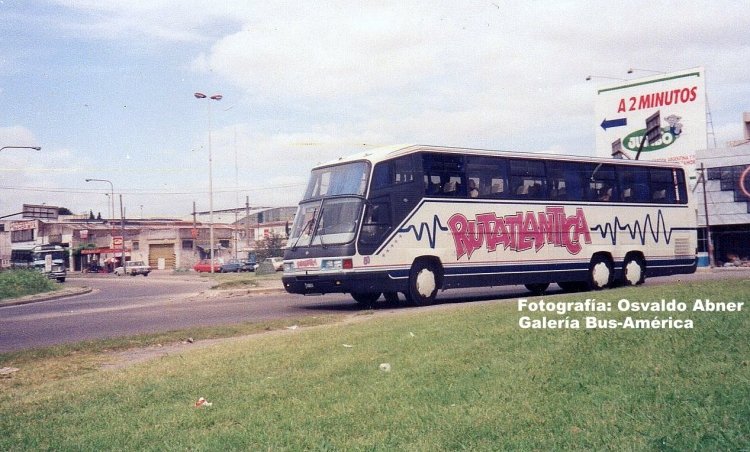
(128, 306)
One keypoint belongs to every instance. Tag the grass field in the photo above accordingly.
(461, 377)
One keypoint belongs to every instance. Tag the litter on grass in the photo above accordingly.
(202, 402)
(6, 371)
(385, 367)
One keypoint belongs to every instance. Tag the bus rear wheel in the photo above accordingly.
(366, 298)
(424, 280)
(633, 271)
(601, 272)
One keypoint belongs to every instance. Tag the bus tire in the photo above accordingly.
(424, 281)
(633, 270)
(601, 272)
(366, 298)
(537, 288)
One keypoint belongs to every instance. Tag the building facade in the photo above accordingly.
(99, 245)
(726, 210)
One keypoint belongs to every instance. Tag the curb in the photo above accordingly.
(64, 293)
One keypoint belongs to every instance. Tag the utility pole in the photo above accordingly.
(236, 194)
(710, 245)
(194, 232)
(247, 220)
(122, 233)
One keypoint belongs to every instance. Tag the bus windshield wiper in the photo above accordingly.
(307, 228)
(315, 228)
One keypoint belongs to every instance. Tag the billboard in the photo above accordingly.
(42, 212)
(677, 100)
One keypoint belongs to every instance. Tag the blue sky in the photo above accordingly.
(106, 88)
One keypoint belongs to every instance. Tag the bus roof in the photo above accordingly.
(387, 152)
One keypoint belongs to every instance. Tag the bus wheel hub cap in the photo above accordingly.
(601, 274)
(633, 272)
(425, 283)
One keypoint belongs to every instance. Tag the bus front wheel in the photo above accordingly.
(424, 280)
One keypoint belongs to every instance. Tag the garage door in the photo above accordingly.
(165, 251)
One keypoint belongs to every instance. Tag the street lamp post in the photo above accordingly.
(589, 77)
(36, 148)
(210, 177)
(111, 197)
(112, 217)
(633, 69)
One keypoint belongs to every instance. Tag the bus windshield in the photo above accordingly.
(327, 222)
(346, 179)
(330, 210)
(56, 255)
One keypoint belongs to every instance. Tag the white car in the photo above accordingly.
(276, 262)
(133, 268)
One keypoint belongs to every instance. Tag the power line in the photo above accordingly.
(149, 191)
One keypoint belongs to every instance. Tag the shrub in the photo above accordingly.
(17, 283)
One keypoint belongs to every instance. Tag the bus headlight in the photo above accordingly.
(288, 266)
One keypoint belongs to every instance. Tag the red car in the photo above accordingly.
(204, 265)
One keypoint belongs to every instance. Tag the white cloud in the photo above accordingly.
(314, 81)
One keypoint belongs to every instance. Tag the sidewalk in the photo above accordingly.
(66, 291)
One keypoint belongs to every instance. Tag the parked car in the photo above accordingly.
(204, 266)
(96, 268)
(231, 266)
(133, 268)
(277, 262)
(248, 266)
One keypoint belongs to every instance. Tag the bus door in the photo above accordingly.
(395, 190)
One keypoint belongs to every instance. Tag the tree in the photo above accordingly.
(270, 246)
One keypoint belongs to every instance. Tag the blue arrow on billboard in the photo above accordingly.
(619, 122)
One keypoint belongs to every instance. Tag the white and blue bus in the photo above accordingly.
(46, 259)
(419, 219)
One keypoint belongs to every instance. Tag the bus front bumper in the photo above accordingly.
(345, 282)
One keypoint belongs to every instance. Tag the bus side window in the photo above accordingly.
(527, 179)
(489, 175)
(381, 176)
(564, 180)
(680, 186)
(472, 190)
(393, 172)
(627, 193)
(444, 174)
(662, 185)
(601, 185)
(497, 187)
(376, 223)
